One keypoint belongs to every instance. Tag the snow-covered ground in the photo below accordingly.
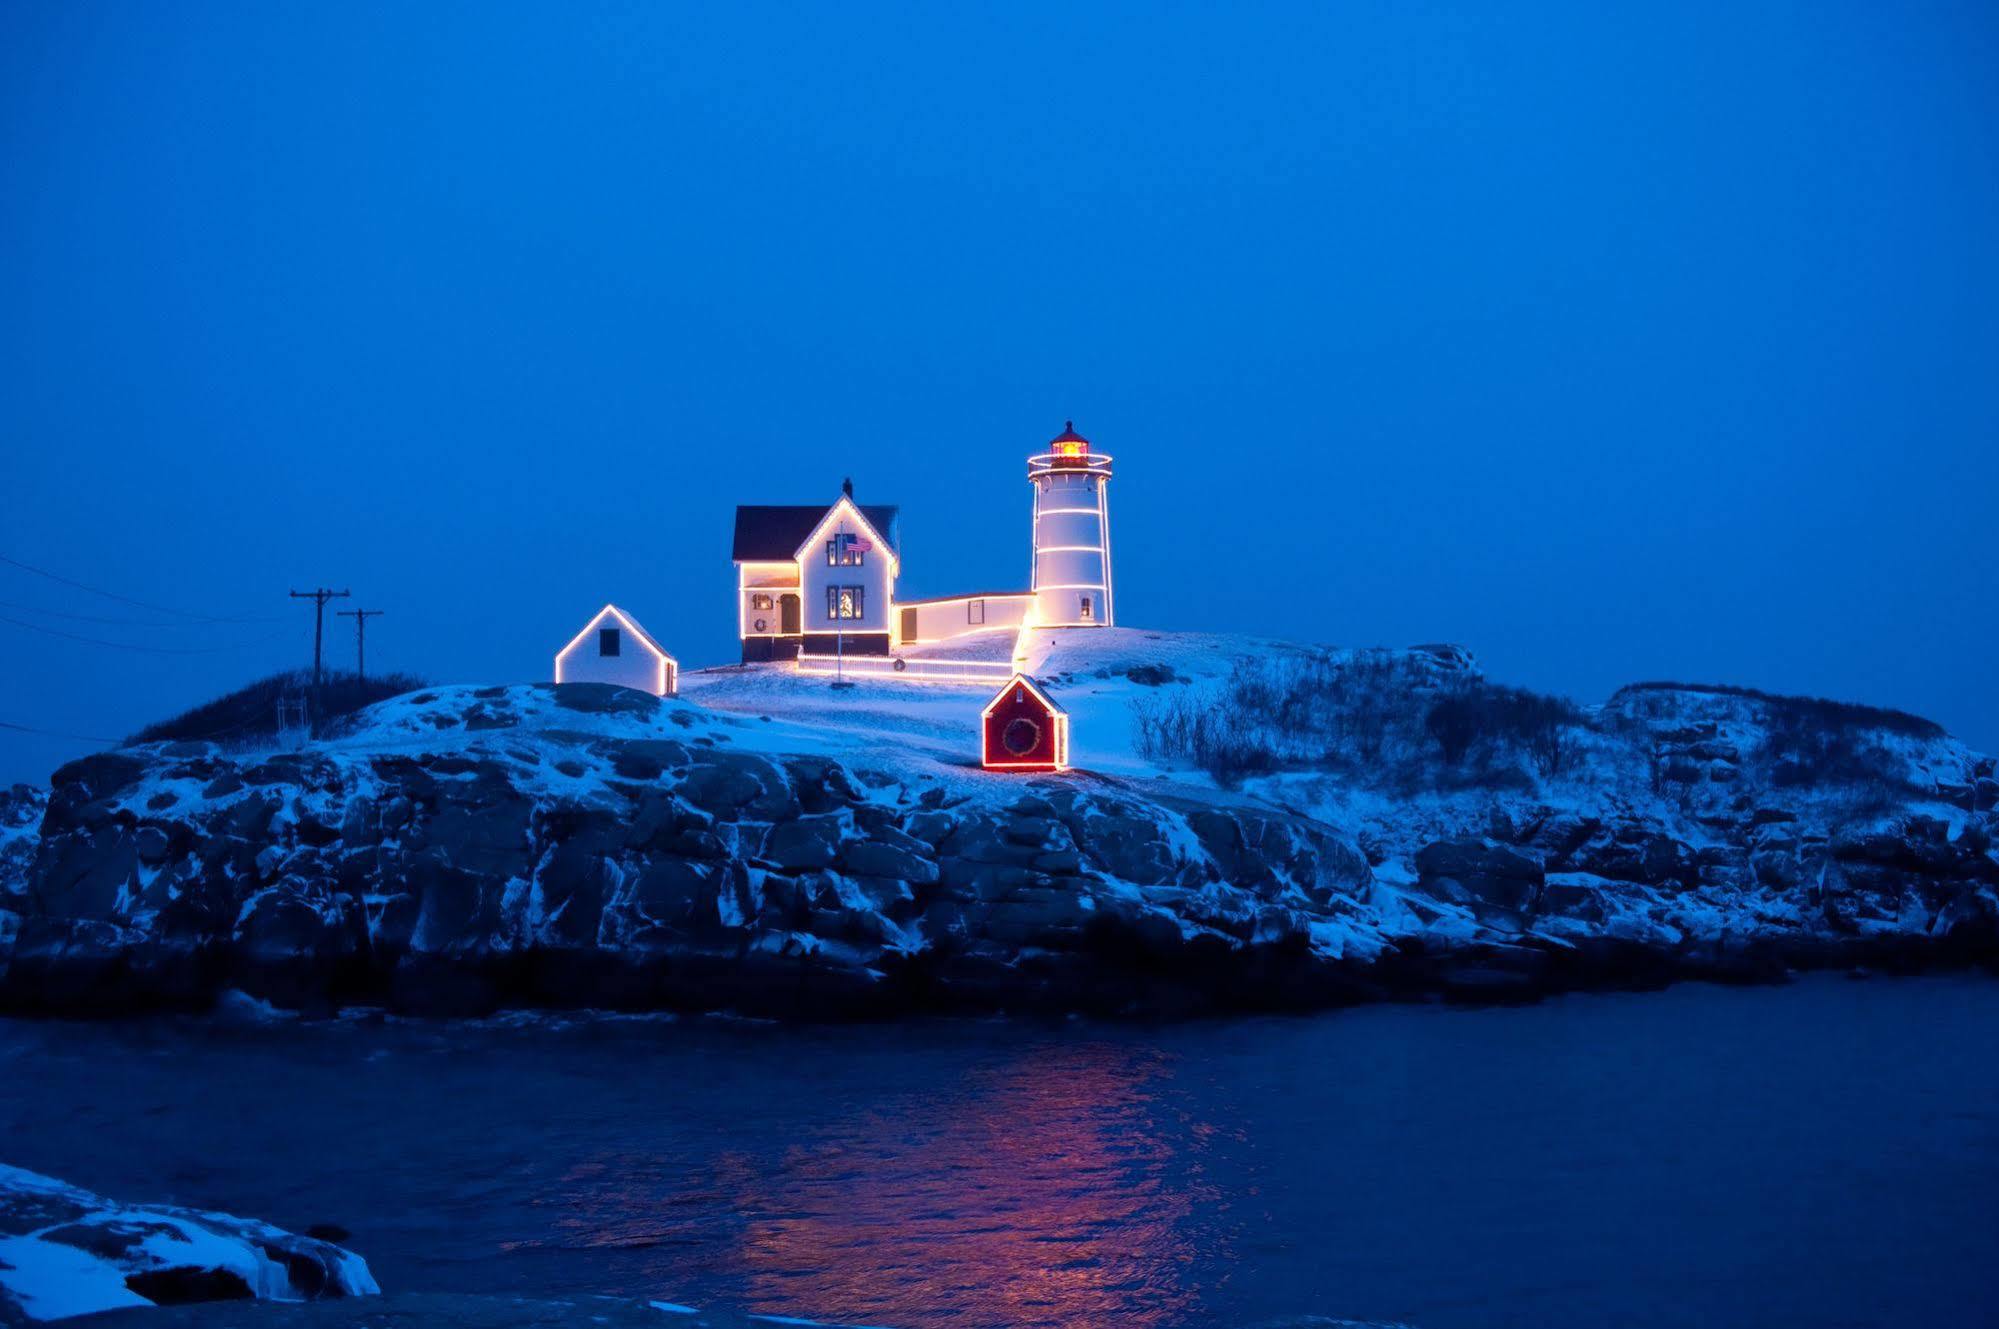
(1088, 670)
(920, 729)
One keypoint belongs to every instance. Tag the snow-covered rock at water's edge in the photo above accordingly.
(66, 1252)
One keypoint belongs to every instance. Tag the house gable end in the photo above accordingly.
(625, 621)
(848, 508)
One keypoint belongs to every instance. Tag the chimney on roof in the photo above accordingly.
(847, 486)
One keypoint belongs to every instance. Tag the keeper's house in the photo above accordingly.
(817, 580)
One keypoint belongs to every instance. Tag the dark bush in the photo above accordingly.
(1208, 729)
(251, 712)
(1819, 711)
(1373, 713)
(1501, 719)
(1803, 748)
(1234, 756)
(1455, 723)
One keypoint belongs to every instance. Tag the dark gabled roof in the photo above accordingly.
(773, 534)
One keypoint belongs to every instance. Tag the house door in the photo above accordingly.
(787, 614)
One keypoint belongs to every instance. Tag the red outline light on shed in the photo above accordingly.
(1023, 729)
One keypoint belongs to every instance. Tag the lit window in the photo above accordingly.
(842, 552)
(845, 602)
(1084, 611)
(607, 641)
(760, 602)
(975, 611)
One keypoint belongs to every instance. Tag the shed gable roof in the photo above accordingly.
(772, 534)
(1033, 688)
(630, 624)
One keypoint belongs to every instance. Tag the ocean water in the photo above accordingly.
(1823, 1154)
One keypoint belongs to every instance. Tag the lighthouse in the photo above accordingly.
(1072, 533)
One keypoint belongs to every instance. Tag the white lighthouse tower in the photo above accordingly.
(1072, 533)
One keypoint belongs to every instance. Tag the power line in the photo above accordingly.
(56, 733)
(96, 618)
(136, 646)
(126, 599)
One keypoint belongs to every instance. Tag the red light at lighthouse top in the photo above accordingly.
(1069, 451)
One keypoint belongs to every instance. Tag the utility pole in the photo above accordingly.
(361, 617)
(319, 598)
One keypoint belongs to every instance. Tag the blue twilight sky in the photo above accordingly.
(1612, 341)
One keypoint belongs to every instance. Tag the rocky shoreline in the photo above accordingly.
(463, 850)
(66, 1252)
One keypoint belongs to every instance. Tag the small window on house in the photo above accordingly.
(760, 602)
(845, 602)
(975, 611)
(842, 552)
(607, 641)
(1083, 612)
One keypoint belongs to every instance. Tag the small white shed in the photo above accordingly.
(613, 648)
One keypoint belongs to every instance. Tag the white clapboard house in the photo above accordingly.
(815, 580)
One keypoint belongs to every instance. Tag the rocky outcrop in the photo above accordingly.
(67, 1252)
(463, 849)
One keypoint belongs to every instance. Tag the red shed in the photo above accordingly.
(1024, 729)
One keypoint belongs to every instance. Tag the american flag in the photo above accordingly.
(859, 544)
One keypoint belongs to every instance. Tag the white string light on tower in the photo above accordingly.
(1072, 533)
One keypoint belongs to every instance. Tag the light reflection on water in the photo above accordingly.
(1054, 1189)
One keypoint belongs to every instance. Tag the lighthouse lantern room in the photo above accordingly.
(1072, 533)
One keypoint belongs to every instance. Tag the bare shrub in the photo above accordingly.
(1499, 721)
(1208, 729)
(1380, 715)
